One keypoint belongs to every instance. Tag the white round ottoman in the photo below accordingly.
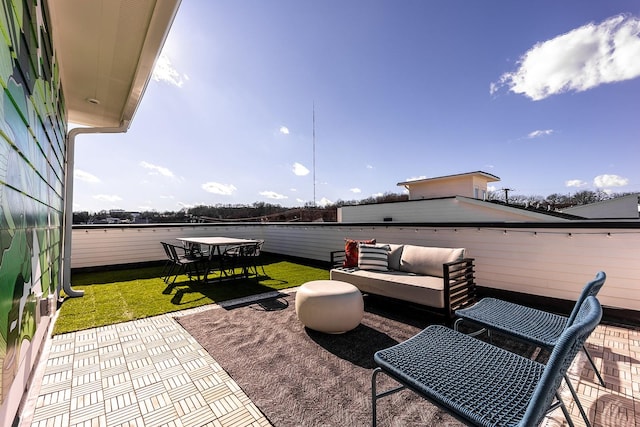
(329, 306)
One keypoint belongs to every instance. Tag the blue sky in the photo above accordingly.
(544, 95)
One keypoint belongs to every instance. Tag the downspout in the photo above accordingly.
(68, 201)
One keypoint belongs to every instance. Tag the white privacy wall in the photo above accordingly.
(554, 262)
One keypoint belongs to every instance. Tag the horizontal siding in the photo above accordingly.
(552, 262)
(437, 210)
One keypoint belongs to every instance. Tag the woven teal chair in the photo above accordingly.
(479, 383)
(530, 325)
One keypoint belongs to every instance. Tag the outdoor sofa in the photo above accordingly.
(439, 278)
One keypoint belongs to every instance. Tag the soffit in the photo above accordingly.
(106, 51)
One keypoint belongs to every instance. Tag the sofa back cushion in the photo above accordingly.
(427, 260)
(395, 253)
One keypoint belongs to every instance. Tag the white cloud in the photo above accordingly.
(377, 195)
(284, 130)
(604, 181)
(369, 167)
(539, 133)
(300, 170)
(85, 176)
(183, 205)
(416, 178)
(107, 197)
(492, 188)
(165, 72)
(324, 202)
(355, 190)
(155, 170)
(217, 188)
(273, 195)
(581, 59)
(575, 183)
(301, 201)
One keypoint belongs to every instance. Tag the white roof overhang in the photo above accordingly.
(106, 51)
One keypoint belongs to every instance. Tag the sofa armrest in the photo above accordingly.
(337, 258)
(459, 285)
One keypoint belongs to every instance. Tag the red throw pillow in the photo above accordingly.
(351, 251)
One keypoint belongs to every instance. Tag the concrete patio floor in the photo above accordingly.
(151, 372)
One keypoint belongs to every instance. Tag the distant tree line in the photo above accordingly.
(267, 212)
(556, 200)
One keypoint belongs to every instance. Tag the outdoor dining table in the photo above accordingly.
(215, 243)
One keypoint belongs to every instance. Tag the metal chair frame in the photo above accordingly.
(177, 264)
(244, 256)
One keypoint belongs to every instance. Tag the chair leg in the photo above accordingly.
(575, 399)
(166, 271)
(174, 273)
(567, 416)
(595, 369)
(375, 396)
(193, 271)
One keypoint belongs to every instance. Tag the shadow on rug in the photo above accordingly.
(300, 377)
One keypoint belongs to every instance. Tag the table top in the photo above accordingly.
(217, 240)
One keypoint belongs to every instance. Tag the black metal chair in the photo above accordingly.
(531, 325)
(229, 260)
(169, 265)
(479, 383)
(245, 257)
(252, 257)
(194, 250)
(180, 261)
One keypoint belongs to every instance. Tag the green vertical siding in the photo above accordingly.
(32, 156)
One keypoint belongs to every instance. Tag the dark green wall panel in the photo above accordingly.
(32, 156)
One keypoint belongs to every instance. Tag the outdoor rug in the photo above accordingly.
(300, 377)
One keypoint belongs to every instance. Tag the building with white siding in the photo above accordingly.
(451, 198)
(621, 208)
(447, 209)
(470, 184)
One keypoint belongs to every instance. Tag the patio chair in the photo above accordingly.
(194, 250)
(531, 325)
(252, 257)
(245, 257)
(169, 264)
(229, 260)
(480, 383)
(180, 262)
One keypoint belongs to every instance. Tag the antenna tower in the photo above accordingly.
(314, 152)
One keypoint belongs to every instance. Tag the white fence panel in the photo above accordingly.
(554, 262)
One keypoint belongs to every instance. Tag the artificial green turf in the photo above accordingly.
(122, 295)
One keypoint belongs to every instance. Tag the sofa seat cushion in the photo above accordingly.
(425, 290)
(428, 260)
